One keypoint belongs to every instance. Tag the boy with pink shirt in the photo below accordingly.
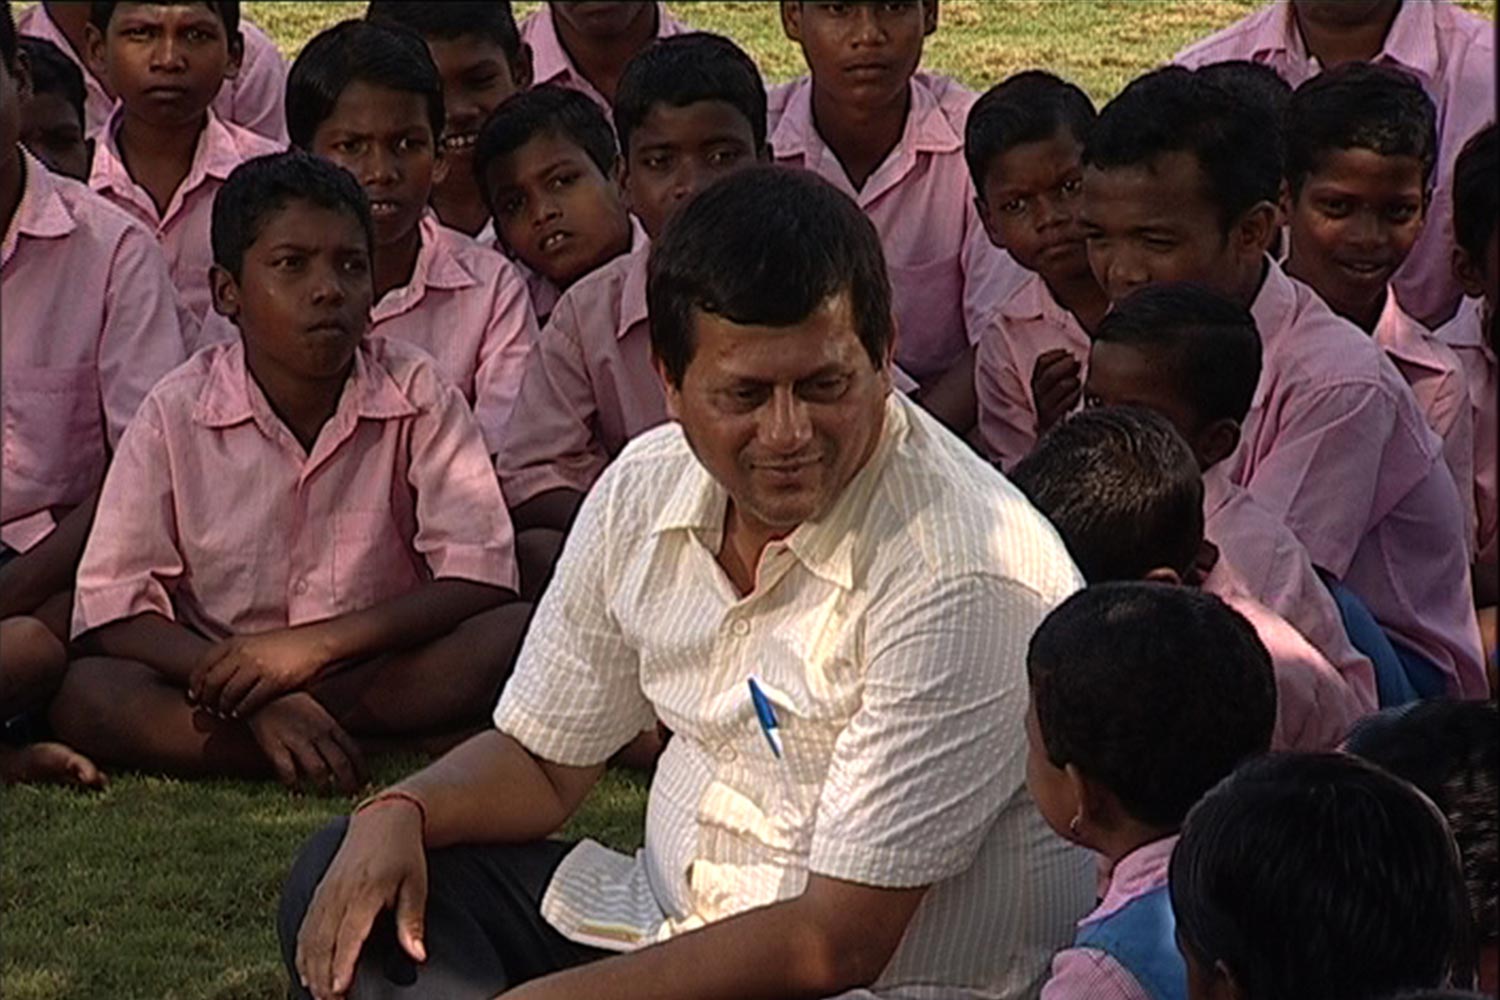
(586, 46)
(1024, 146)
(1180, 184)
(163, 153)
(376, 555)
(1143, 697)
(251, 99)
(892, 139)
(1448, 49)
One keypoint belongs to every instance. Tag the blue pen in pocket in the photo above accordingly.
(767, 717)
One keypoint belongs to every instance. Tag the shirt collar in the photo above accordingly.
(550, 60)
(1137, 873)
(633, 307)
(1411, 41)
(1274, 308)
(41, 214)
(216, 155)
(1218, 489)
(437, 267)
(1033, 300)
(1466, 328)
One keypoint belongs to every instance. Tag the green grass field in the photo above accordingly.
(165, 890)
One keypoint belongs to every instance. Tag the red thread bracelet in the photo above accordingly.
(395, 795)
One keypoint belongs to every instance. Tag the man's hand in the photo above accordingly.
(1056, 387)
(306, 746)
(380, 864)
(239, 675)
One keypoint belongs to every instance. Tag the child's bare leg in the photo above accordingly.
(31, 667)
(537, 550)
(56, 613)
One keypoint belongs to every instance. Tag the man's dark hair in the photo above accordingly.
(227, 11)
(1123, 490)
(545, 110)
(258, 188)
(1320, 875)
(7, 37)
(767, 246)
(1156, 692)
(451, 19)
(1173, 110)
(1359, 106)
(1208, 345)
(1451, 751)
(1251, 82)
(686, 69)
(52, 72)
(1476, 202)
(1028, 107)
(381, 55)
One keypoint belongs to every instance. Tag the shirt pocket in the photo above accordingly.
(53, 429)
(928, 299)
(371, 562)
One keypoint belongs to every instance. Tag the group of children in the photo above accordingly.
(1236, 340)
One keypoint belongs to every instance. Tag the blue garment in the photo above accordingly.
(1141, 936)
(1392, 683)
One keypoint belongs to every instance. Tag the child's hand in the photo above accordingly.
(1055, 386)
(239, 675)
(306, 746)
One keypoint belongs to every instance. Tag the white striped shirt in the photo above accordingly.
(890, 635)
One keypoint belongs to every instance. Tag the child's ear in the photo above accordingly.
(984, 218)
(791, 19)
(1284, 203)
(226, 292)
(236, 56)
(929, 16)
(523, 70)
(1216, 442)
(1256, 228)
(1163, 574)
(1467, 271)
(440, 163)
(616, 175)
(94, 52)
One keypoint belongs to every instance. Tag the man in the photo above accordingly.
(800, 524)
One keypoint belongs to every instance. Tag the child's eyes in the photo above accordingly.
(287, 262)
(725, 157)
(511, 206)
(1334, 207)
(560, 181)
(1072, 186)
(1014, 206)
(200, 35)
(356, 265)
(656, 161)
(411, 143)
(1160, 243)
(1401, 213)
(484, 82)
(349, 147)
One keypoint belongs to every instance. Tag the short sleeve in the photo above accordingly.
(1090, 974)
(508, 339)
(1007, 421)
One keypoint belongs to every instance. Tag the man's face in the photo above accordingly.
(1155, 222)
(782, 417)
(1030, 205)
(862, 55)
(677, 152)
(165, 62)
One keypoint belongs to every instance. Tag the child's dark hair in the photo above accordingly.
(227, 11)
(1237, 143)
(1156, 692)
(1320, 875)
(382, 55)
(1359, 106)
(52, 72)
(1123, 490)
(1451, 751)
(686, 69)
(1209, 344)
(260, 187)
(451, 19)
(1028, 107)
(1251, 81)
(7, 37)
(547, 109)
(1476, 201)
(766, 246)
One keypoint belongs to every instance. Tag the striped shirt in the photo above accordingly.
(889, 635)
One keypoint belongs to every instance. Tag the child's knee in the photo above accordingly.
(94, 693)
(32, 663)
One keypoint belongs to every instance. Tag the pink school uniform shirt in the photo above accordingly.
(1452, 52)
(1335, 446)
(254, 99)
(1260, 556)
(467, 307)
(1090, 974)
(1028, 324)
(397, 490)
(1437, 379)
(1464, 335)
(946, 277)
(90, 323)
(183, 229)
(551, 63)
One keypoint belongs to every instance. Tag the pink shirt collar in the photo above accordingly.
(1033, 300)
(1463, 331)
(1411, 43)
(550, 61)
(1274, 308)
(1137, 873)
(41, 213)
(215, 157)
(633, 295)
(437, 267)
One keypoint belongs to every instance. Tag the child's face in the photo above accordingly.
(1121, 375)
(1353, 224)
(165, 62)
(51, 130)
(554, 210)
(1048, 783)
(476, 78)
(606, 20)
(861, 55)
(14, 86)
(677, 152)
(1030, 204)
(302, 299)
(384, 138)
(1156, 222)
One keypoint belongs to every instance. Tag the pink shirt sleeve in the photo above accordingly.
(990, 276)
(1007, 422)
(1089, 974)
(507, 343)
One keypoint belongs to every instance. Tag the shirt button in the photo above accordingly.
(740, 627)
(727, 754)
(300, 587)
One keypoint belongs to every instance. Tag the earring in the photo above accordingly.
(1073, 825)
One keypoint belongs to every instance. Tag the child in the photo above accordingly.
(1451, 51)
(1451, 751)
(480, 56)
(1180, 184)
(163, 153)
(1143, 697)
(52, 120)
(252, 99)
(1024, 146)
(892, 139)
(689, 109)
(586, 47)
(1124, 491)
(1194, 358)
(1361, 147)
(1317, 875)
(376, 554)
(550, 171)
(32, 667)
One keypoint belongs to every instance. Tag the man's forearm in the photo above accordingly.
(49, 567)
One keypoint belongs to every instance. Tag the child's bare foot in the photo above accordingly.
(48, 763)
